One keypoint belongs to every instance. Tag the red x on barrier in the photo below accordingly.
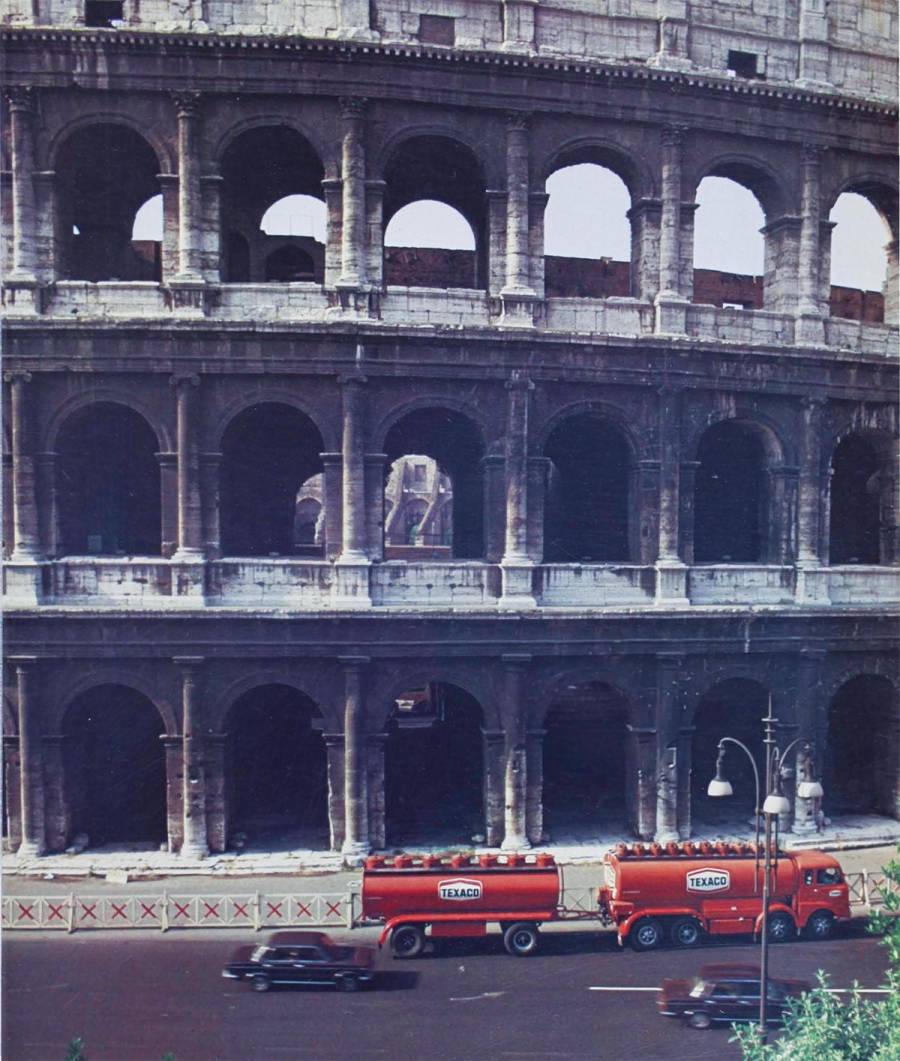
(87, 910)
(55, 911)
(333, 908)
(302, 908)
(119, 911)
(147, 910)
(212, 909)
(181, 911)
(240, 909)
(274, 909)
(25, 911)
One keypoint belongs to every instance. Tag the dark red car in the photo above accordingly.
(302, 958)
(722, 994)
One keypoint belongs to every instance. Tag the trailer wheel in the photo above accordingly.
(645, 934)
(820, 925)
(521, 939)
(781, 928)
(685, 932)
(407, 941)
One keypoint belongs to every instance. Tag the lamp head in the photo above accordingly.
(810, 790)
(776, 804)
(719, 786)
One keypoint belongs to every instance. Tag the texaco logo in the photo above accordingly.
(459, 889)
(708, 880)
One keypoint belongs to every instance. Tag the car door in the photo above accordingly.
(279, 965)
(310, 965)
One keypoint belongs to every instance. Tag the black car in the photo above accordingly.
(302, 958)
(724, 994)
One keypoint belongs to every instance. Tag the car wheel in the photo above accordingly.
(781, 928)
(260, 983)
(521, 939)
(820, 925)
(407, 941)
(700, 1020)
(646, 934)
(685, 932)
(348, 983)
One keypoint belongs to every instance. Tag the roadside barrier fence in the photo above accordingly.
(167, 911)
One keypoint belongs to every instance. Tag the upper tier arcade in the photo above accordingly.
(844, 46)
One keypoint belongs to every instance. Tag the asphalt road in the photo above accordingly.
(135, 996)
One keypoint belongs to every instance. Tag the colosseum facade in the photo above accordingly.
(660, 500)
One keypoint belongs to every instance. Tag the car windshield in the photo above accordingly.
(259, 953)
(697, 988)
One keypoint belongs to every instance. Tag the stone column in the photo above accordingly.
(356, 818)
(517, 295)
(375, 744)
(57, 819)
(684, 747)
(351, 585)
(671, 572)
(782, 259)
(375, 466)
(31, 765)
(217, 819)
(211, 244)
(644, 216)
(189, 205)
(26, 546)
(334, 752)
(669, 704)
(810, 328)
(375, 234)
(331, 192)
(168, 499)
(534, 803)
(495, 204)
(193, 766)
(515, 833)
(331, 499)
(353, 194)
(173, 747)
(810, 588)
(686, 480)
(671, 311)
(538, 471)
(516, 563)
(190, 524)
(537, 208)
(12, 793)
(24, 221)
(210, 480)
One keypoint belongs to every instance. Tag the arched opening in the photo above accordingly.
(863, 749)
(855, 503)
(586, 512)
(273, 212)
(860, 256)
(731, 501)
(729, 248)
(309, 515)
(105, 175)
(277, 770)
(269, 452)
(147, 236)
(433, 767)
(732, 708)
(418, 520)
(445, 449)
(108, 483)
(440, 183)
(115, 771)
(588, 769)
(587, 233)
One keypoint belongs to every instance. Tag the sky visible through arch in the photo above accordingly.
(727, 226)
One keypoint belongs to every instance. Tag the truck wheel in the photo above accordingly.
(348, 983)
(260, 983)
(700, 1020)
(645, 934)
(685, 932)
(820, 925)
(521, 939)
(781, 928)
(407, 941)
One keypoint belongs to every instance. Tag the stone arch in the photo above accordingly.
(166, 153)
(545, 688)
(105, 395)
(264, 394)
(764, 181)
(634, 172)
(861, 502)
(385, 691)
(69, 690)
(397, 412)
(114, 772)
(862, 747)
(879, 189)
(224, 699)
(445, 130)
(639, 443)
(227, 138)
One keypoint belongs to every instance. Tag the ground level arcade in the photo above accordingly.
(348, 734)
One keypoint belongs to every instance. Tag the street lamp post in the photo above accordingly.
(775, 804)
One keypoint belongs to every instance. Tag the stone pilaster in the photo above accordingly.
(352, 568)
(217, 818)
(515, 833)
(168, 499)
(671, 305)
(493, 749)
(210, 504)
(669, 703)
(353, 194)
(173, 748)
(516, 566)
(671, 575)
(24, 221)
(334, 753)
(12, 792)
(193, 767)
(187, 106)
(809, 588)
(375, 469)
(534, 800)
(517, 295)
(645, 215)
(375, 745)
(190, 523)
(26, 545)
(891, 289)
(810, 327)
(31, 760)
(684, 749)
(686, 482)
(356, 816)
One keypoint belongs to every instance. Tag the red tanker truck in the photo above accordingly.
(651, 894)
(683, 891)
